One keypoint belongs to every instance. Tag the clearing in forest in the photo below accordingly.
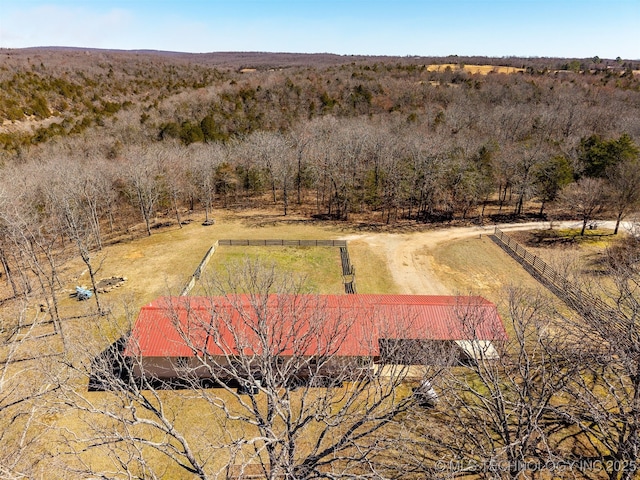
(481, 69)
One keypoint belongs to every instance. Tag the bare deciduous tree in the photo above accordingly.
(624, 179)
(77, 214)
(497, 414)
(605, 397)
(144, 181)
(34, 238)
(275, 407)
(23, 394)
(204, 164)
(586, 198)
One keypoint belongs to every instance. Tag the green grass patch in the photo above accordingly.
(319, 266)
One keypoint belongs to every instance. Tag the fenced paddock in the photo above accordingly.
(348, 270)
(586, 304)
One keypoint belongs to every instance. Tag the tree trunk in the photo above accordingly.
(618, 220)
(273, 189)
(7, 271)
(147, 222)
(176, 211)
(95, 223)
(502, 196)
(299, 178)
(518, 210)
(285, 197)
(92, 276)
(145, 213)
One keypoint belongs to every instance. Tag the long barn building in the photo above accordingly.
(174, 333)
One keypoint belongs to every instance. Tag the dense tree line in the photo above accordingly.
(331, 167)
(382, 139)
(383, 142)
(212, 98)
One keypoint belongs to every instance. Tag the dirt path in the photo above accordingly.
(410, 256)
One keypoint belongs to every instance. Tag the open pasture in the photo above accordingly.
(443, 261)
(473, 69)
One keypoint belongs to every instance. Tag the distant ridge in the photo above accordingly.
(268, 60)
(228, 59)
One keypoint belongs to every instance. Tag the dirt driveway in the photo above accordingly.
(410, 256)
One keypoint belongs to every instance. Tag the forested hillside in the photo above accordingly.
(339, 135)
(99, 149)
(118, 138)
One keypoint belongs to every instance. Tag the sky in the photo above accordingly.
(496, 28)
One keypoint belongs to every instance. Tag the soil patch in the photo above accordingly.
(107, 284)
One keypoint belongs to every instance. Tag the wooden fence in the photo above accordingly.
(347, 267)
(196, 275)
(586, 304)
(348, 271)
(284, 243)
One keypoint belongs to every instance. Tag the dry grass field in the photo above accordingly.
(163, 263)
(442, 261)
(477, 265)
(481, 69)
(461, 260)
(454, 260)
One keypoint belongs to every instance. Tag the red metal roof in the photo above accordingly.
(346, 325)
